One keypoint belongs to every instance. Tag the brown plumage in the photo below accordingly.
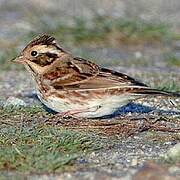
(70, 84)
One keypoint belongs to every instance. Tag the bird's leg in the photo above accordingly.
(74, 113)
(70, 114)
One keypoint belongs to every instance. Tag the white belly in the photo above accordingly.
(92, 108)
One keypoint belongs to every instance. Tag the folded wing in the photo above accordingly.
(79, 73)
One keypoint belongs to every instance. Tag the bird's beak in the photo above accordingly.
(18, 59)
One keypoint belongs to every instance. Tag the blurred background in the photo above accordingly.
(140, 37)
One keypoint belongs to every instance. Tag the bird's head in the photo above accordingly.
(40, 53)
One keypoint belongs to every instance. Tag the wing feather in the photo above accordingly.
(83, 74)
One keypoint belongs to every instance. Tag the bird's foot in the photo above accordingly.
(70, 114)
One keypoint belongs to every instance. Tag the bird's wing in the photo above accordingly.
(80, 73)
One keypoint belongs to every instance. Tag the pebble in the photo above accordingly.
(134, 162)
(138, 55)
(13, 101)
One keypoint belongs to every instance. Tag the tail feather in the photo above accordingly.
(149, 91)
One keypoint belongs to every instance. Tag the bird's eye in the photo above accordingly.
(34, 53)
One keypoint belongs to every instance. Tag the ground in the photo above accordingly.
(36, 142)
(133, 143)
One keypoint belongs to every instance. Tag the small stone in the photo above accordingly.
(170, 143)
(134, 162)
(13, 101)
(93, 154)
(138, 54)
(83, 161)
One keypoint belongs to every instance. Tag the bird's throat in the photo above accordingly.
(35, 68)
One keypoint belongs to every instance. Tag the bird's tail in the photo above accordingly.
(161, 99)
(155, 92)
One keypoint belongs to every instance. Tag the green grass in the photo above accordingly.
(104, 29)
(41, 149)
(100, 31)
(76, 34)
(12, 115)
(134, 30)
(29, 145)
(161, 80)
(171, 87)
(172, 59)
(167, 84)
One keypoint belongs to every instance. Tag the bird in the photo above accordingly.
(74, 86)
